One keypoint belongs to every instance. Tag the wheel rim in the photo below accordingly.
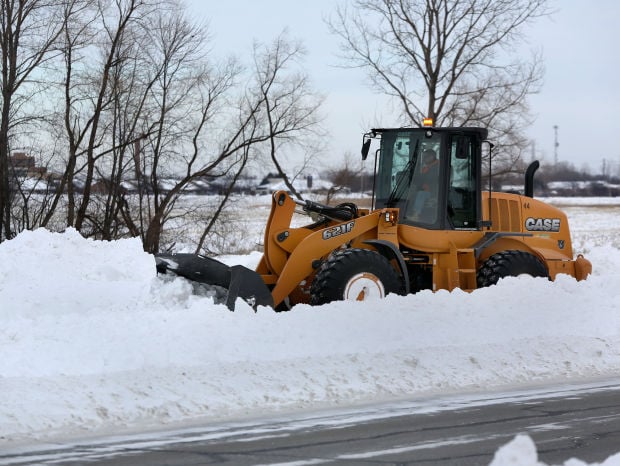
(364, 286)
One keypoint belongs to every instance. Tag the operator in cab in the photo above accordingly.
(426, 182)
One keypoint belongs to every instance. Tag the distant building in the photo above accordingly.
(21, 163)
(309, 183)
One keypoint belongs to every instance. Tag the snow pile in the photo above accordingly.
(92, 340)
(522, 452)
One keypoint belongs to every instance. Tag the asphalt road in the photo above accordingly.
(569, 421)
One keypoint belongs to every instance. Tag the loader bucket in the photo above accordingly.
(237, 280)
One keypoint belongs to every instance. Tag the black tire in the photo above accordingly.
(341, 276)
(509, 264)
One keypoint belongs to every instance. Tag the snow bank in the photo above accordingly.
(522, 452)
(93, 340)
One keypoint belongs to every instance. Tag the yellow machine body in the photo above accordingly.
(292, 255)
(432, 226)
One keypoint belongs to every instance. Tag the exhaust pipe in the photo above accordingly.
(529, 178)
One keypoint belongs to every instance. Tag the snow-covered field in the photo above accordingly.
(92, 340)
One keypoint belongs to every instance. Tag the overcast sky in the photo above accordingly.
(580, 43)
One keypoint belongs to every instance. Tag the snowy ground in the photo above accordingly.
(92, 341)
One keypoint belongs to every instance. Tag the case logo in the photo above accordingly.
(542, 224)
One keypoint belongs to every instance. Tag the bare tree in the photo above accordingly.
(72, 125)
(349, 176)
(116, 22)
(28, 29)
(142, 105)
(93, 48)
(290, 105)
(450, 60)
(284, 112)
(188, 97)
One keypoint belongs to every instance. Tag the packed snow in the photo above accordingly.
(93, 340)
(522, 452)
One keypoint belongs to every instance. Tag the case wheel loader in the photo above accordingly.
(432, 225)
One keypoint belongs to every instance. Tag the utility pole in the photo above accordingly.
(555, 147)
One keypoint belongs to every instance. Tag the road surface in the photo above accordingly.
(570, 421)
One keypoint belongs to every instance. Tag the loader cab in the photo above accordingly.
(432, 175)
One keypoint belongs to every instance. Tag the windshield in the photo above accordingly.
(408, 174)
(432, 175)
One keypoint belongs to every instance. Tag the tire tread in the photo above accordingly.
(509, 263)
(340, 263)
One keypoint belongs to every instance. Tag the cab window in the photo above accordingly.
(462, 205)
(424, 190)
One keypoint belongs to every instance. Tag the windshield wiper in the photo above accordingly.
(406, 174)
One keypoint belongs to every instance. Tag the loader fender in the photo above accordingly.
(390, 251)
(299, 265)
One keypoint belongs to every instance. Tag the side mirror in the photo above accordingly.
(365, 148)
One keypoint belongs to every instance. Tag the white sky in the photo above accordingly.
(580, 93)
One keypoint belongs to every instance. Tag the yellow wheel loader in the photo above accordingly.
(432, 225)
